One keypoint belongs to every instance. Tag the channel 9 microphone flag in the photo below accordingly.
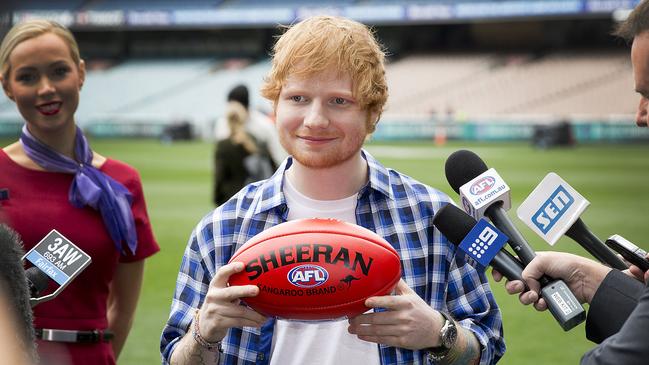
(480, 241)
(60, 259)
(554, 209)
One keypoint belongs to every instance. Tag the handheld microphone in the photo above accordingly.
(37, 281)
(629, 251)
(484, 193)
(456, 225)
(553, 209)
(56, 258)
(459, 228)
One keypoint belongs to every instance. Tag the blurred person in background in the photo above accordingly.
(257, 124)
(618, 316)
(17, 341)
(238, 159)
(54, 180)
(328, 86)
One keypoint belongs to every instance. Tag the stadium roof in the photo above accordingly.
(261, 13)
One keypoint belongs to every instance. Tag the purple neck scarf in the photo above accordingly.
(89, 187)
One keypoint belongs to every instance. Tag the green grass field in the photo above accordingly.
(177, 183)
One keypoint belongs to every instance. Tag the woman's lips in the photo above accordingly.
(49, 108)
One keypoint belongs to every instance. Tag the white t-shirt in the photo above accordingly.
(325, 342)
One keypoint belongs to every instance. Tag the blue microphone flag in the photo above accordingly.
(483, 242)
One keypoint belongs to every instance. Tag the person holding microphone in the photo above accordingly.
(618, 317)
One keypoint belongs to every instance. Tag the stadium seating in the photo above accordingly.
(489, 84)
(120, 90)
(475, 87)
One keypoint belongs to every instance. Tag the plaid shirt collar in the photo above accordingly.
(270, 194)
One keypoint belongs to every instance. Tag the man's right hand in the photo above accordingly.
(221, 308)
(582, 275)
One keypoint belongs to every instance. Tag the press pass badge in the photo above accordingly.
(60, 259)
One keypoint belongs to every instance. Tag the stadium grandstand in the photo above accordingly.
(483, 69)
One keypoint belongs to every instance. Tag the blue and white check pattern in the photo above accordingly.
(394, 206)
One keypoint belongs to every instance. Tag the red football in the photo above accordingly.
(315, 269)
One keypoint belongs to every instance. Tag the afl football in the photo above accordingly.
(316, 269)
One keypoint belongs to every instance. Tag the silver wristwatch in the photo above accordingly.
(447, 337)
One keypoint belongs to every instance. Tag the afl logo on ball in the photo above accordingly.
(307, 276)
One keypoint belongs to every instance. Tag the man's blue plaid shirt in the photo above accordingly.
(394, 206)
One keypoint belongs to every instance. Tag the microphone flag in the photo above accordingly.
(483, 242)
(482, 191)
(552, 208)
(58, 258)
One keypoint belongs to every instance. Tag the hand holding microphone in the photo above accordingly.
(480, 240)
(582, 276)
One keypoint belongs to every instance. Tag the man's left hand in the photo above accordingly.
(408, 321)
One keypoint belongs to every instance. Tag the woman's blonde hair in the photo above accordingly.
(236, 115)
(32, 29)
(321, 42)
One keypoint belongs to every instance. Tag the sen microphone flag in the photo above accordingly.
(483, 242)
(552, 208)
(484, 190)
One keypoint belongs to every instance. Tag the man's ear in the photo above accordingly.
(82, 73)
(372, 121)
(5, 87)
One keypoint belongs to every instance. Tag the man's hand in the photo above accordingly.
(582, 275)
(636, 273)
(221, 309)
(408, 321)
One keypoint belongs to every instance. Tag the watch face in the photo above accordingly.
(449, 334)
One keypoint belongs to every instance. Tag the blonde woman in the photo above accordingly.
(55, 181)
(239, 159)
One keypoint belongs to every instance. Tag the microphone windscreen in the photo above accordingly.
(11, 248)
(461, 167)
(454, 223)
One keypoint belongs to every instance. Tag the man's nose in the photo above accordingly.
(316, 116)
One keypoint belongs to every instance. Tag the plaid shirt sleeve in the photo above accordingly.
(471, 302)
(196, 271)
(401, 209)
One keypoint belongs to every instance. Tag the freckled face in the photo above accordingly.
(44, 82)
(319, 122)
